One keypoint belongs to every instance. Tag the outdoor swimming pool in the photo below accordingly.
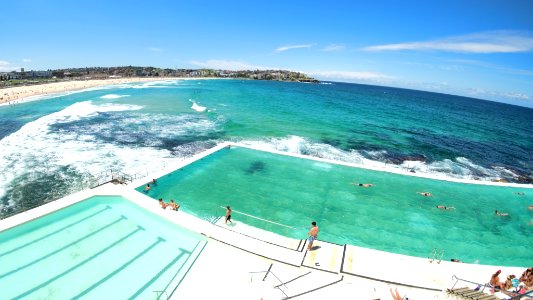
(389, 216)
(104, 247)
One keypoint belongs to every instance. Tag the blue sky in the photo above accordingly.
(481, 49)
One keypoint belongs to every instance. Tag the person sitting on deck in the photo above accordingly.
(527, 278)
(173, 205)
(495, 280)
(162, 203)
(509, 282)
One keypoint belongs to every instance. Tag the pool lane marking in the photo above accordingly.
(63, 248)
(160, 273)
(56, 231)
(118, 270)
(47, 282)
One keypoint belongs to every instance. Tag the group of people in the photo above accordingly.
(517, 285)
(172, 205)
(147, 188)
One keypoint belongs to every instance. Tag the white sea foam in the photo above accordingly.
(36, 149)
(113, 96)
(460, 168)
(197, 107)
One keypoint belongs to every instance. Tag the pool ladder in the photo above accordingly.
(436, 255)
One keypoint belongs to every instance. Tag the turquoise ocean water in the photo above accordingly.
(54, 146)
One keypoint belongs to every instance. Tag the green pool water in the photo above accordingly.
(101, 248)
(389, 216)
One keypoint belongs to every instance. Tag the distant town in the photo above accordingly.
(24, 77)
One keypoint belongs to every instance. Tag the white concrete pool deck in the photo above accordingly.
(225, 269)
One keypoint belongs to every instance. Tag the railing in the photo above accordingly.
(117, 176)
(264, 278)
(514, 295)
(434, 255)
(260, 219)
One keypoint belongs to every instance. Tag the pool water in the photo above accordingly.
(101, 248)
(389, 216)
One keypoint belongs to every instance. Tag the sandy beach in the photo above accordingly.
(13, 95)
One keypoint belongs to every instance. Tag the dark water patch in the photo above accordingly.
(8, 126)
(34, 189)
(175, 142)
(162, 131)
(331, 141)
(360, 145)
(399, 158)
(255, 167)
(190, 149)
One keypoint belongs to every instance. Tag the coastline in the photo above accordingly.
(14, 95)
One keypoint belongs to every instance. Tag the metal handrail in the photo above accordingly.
(261, 219)
(270, 272)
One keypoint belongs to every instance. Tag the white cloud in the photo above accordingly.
(227, 65)
(483, 42)
(515, 95)
(155, 49)
(493, 66)
(290, 47)
(351, 75)
(26, 60)
(5, 66)
(333, 47)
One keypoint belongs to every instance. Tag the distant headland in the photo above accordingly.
(22, 77)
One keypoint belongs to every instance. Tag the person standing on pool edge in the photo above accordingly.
(228, 214)
(313, 234)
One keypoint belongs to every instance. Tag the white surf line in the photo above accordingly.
(265, 220)
(382, 169)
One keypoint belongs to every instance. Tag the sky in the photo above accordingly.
(475, 48)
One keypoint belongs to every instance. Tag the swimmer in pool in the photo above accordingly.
(425, 194)
(443, 207)
(362, 184)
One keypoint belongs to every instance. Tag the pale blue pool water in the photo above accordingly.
(102, 248)
(390, 216)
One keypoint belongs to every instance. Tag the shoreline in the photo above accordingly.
(15, 95)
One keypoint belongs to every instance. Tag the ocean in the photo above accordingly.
(53, 146)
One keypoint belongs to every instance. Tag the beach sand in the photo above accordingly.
(13, 95)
